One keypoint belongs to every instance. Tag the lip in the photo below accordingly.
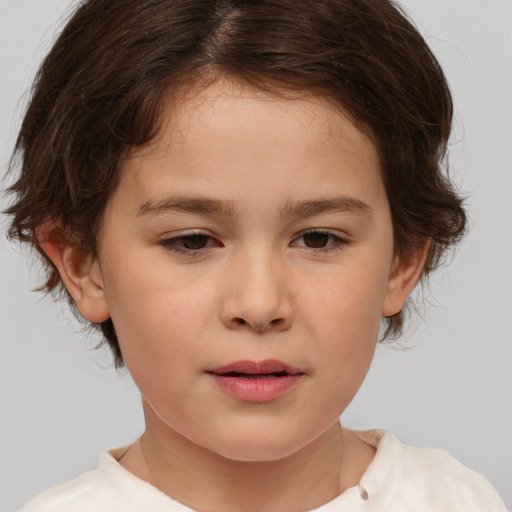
(255, 367)
(256, 381)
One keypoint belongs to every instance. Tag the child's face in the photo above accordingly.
(253, 229)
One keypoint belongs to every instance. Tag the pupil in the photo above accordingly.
(316, 240)
(195, 241)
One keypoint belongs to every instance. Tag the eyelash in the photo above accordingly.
(173, 243)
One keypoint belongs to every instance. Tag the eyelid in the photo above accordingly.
(187, 232)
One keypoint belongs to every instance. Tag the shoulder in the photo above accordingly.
(426, 479)
(109, 488)
(82, 493)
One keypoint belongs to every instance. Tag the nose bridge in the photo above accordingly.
(258, 296)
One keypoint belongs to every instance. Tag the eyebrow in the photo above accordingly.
(197, 205)
(317, 207)
(206, 206)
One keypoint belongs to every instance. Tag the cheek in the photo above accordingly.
(159, 323)
(160, 336)
(145, 292)
(344, 317)
(348, 303)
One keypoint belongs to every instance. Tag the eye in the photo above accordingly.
(189, 243)
(318, 239)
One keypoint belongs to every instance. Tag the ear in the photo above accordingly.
(80, 272)
(405, 274)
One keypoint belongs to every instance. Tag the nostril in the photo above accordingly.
(259, 325)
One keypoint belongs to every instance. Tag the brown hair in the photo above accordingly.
(99, 92)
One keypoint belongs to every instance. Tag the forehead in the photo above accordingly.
(226, 135)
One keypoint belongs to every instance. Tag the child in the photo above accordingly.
(237, 194)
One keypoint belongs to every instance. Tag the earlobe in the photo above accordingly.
(80, 272)
(405, 274)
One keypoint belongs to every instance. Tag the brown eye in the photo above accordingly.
(190, 244)
(317, 239)
(193, 242)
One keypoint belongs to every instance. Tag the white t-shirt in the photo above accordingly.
(400, 479)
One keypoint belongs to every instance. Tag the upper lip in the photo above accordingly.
(256, 368)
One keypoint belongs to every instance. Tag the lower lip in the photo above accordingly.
(261, 389)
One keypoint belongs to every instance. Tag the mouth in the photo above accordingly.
(254, 376)
(268, 369)
(251, 381)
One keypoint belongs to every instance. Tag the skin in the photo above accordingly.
(259, 286)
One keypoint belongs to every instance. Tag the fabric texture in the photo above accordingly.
(400, 479)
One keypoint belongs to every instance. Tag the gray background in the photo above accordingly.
(61, 404)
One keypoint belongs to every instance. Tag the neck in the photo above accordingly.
(307, 479)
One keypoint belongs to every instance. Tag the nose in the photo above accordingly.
(257, 294)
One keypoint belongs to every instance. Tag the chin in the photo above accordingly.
(254, 452)
(259, 445)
